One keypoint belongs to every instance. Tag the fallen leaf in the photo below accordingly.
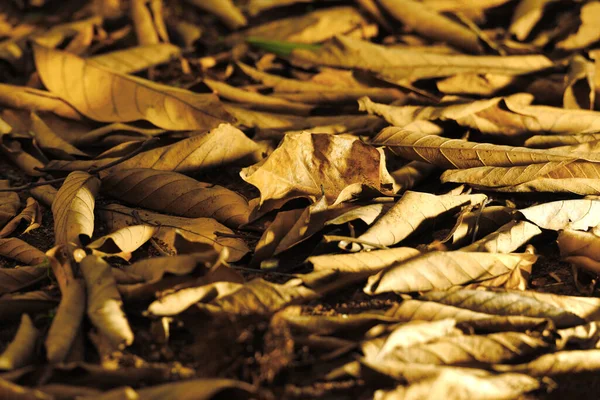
(578, 214)
(66, 323)
(9, 204)
(507, 239)
(13, 150)
(21, 350)
(51, 142)
(580, 248)
(587, 32)
(578, 177)
(401, 65)
(505, 303)
(21, 251)
(12, 390)
(31, 216)
(73, 208)
(432, 25)
(35, 100)
(444, 270)
(45, 194)
(480, 223)
(369, 261)
(558, 363)
(412, 211)
(178, 194)
(104, 302)
(121, 243)
(148, 22)
(18, 279)
(328, 165)
(200, 230)
(548, 141)
(164, 106)
(225, 10)
(139, 58)
(579, 90)
(527, 14)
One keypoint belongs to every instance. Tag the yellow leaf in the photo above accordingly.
(73, 208)
(122, 242)
(91, 89)
(148, 21)
(135, 59)
(225, 10)
(35, 100)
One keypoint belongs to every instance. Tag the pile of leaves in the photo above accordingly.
(389, 199)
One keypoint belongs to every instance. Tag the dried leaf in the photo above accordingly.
(411, 212)
(200, 230)
(51, 142)
(9, 204)
(401, 65)
(73, 208)
(135, 59)
(578, 177)
(505, 303)
(558, 363)
(164, 106)
(587, 33)
(548, 141)
(104, 302)
(17, 279)
(257, 101)
(370, 261)
(480, 222)
(579, 91)
(44, 194)
(199, 389)
(328, 165)
(507, 239)
(580, 248)
(35, 100)
(411, 310)
(21, 251)
(178, 194)
(578, 214)
(21, 350)
(432, 25)
(123, 242)
(11, 390)
(148, 22)
(26, 162)
(527, 14)
(458, 153)
(444, 270)
(225, 10)
(30, 215)
(69, 315)
(464, 384)
(14, 305)
(585, 307)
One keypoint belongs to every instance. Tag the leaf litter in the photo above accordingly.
(299, 199)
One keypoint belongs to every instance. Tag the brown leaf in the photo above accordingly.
(122, 242)
(73, 208)
(579, 214)
(412, 211)
(458, 153)
(17, 279)
(367, 261)
(444, 270)
(44, 194)
(580, 248)
(21, 251)
(178, 194)
(9, 204)
(14, 305)
(21, 350)
(31, 215)
(26, 162)
(104, 302)
(507, 239)
(558, 363)
(51, 142)
(13, 391)
(317, 93)
(69, 315)
(200, 230)
(164, 106)
(578, 177)
(328, 166)
(505, 303)
(257, 101)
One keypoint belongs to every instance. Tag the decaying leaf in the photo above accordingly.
(73, 208)
(401, 65)
(329, 165)
(17, 279)
(444, 270)
(123, 242)
(178, 194)
(412, 211)
(200, 230)
(21, 349)
(505, 303)
(21, 251)
(104, 302)
(9, 204)
(507, 239)
(31, 216)
(93, 94)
